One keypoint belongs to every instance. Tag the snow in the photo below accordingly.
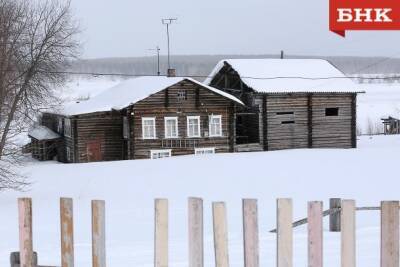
(129, 92)
(43, 133)
(129, 189)
(289, 75)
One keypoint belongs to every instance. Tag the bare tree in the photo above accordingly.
(37, 40)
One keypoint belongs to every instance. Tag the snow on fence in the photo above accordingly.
(284, 233)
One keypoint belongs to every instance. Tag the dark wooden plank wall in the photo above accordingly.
(103, 127)
(200, 102)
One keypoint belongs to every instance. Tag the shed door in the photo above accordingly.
(93, 150)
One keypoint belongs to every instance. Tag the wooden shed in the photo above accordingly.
(291, 103)
(147, 117)
(391, 125)
(44, 143)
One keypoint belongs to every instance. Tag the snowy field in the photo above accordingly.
(129, 187)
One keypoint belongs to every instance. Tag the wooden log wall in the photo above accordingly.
(199, 102)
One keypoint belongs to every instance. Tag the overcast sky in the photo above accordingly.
(124, 28)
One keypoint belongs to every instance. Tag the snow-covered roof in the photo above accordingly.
(288, 75)
(43, 133)
(130, 92)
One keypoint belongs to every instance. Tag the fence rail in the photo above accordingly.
(284, 233)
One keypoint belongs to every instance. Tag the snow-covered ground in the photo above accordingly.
(129, 188)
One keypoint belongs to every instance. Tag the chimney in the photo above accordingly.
(171, 73)
(281, 54)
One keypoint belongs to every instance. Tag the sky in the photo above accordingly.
(129, 28)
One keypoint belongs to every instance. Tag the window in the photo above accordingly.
(67, 127)
(332, 112)
(204, 150)
(215, 126)
(158, 154)
(193, 126)
(60, 125)
(149, 128)
(285, 113)
(182, 95)
(125, 127)
(171, 127)
(287, 122)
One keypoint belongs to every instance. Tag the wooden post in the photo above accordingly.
(25, 232)
(315, 232)
(389, 233)
(348, 233)
(284, 233)
(220, 235)
(334, 218)
(161, 233)
(250, 233)
(67, 232)
(98, 233)
(196, 240)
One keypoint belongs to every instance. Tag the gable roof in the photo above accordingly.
(288, 75)
(130, 92)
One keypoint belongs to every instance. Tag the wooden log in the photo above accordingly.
(196, 239)
(98, 234)
(25, 232)
(348, 233)
(161, 233)
(67, 232)
(389, 233)
(284, 233)
(220, 235)
(334, 218)
(250, 233)
(315, 232)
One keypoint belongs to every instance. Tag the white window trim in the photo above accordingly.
(160, 151)
(67, 130)
(153, 119)
(220, 126)
(198, 126)
(176, 127)
(202, 149)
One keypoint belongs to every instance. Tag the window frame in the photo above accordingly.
(176, 127)
(68, 154)
(153, 119)
(125, 127)
(203, 149)
(220, 126)
(169, 151)
(67, 127)
(60, 128)
(198, 126)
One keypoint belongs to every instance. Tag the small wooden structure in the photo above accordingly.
(44, 143)
(391, 125)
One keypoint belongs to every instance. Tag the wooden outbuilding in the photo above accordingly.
(146, 117)
(44, 143)
(391, 125)
(291, 103)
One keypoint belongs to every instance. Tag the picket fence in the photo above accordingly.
(284, 233)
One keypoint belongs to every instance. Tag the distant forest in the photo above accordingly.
(201, 65)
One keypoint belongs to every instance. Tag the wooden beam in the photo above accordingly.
(265, 122)
(348, 233)
(161, 233)
(250, 233)
(315, 230)
(67, 232)
(98, 234)
(220, 235)
(284, 233)
(166, 98)
(25, 232)
(354, 121)
(389, 233)
(334, 218)
(310, 120)
(196, 236)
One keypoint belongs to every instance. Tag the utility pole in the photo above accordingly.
(157, 49)
(168, 22)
